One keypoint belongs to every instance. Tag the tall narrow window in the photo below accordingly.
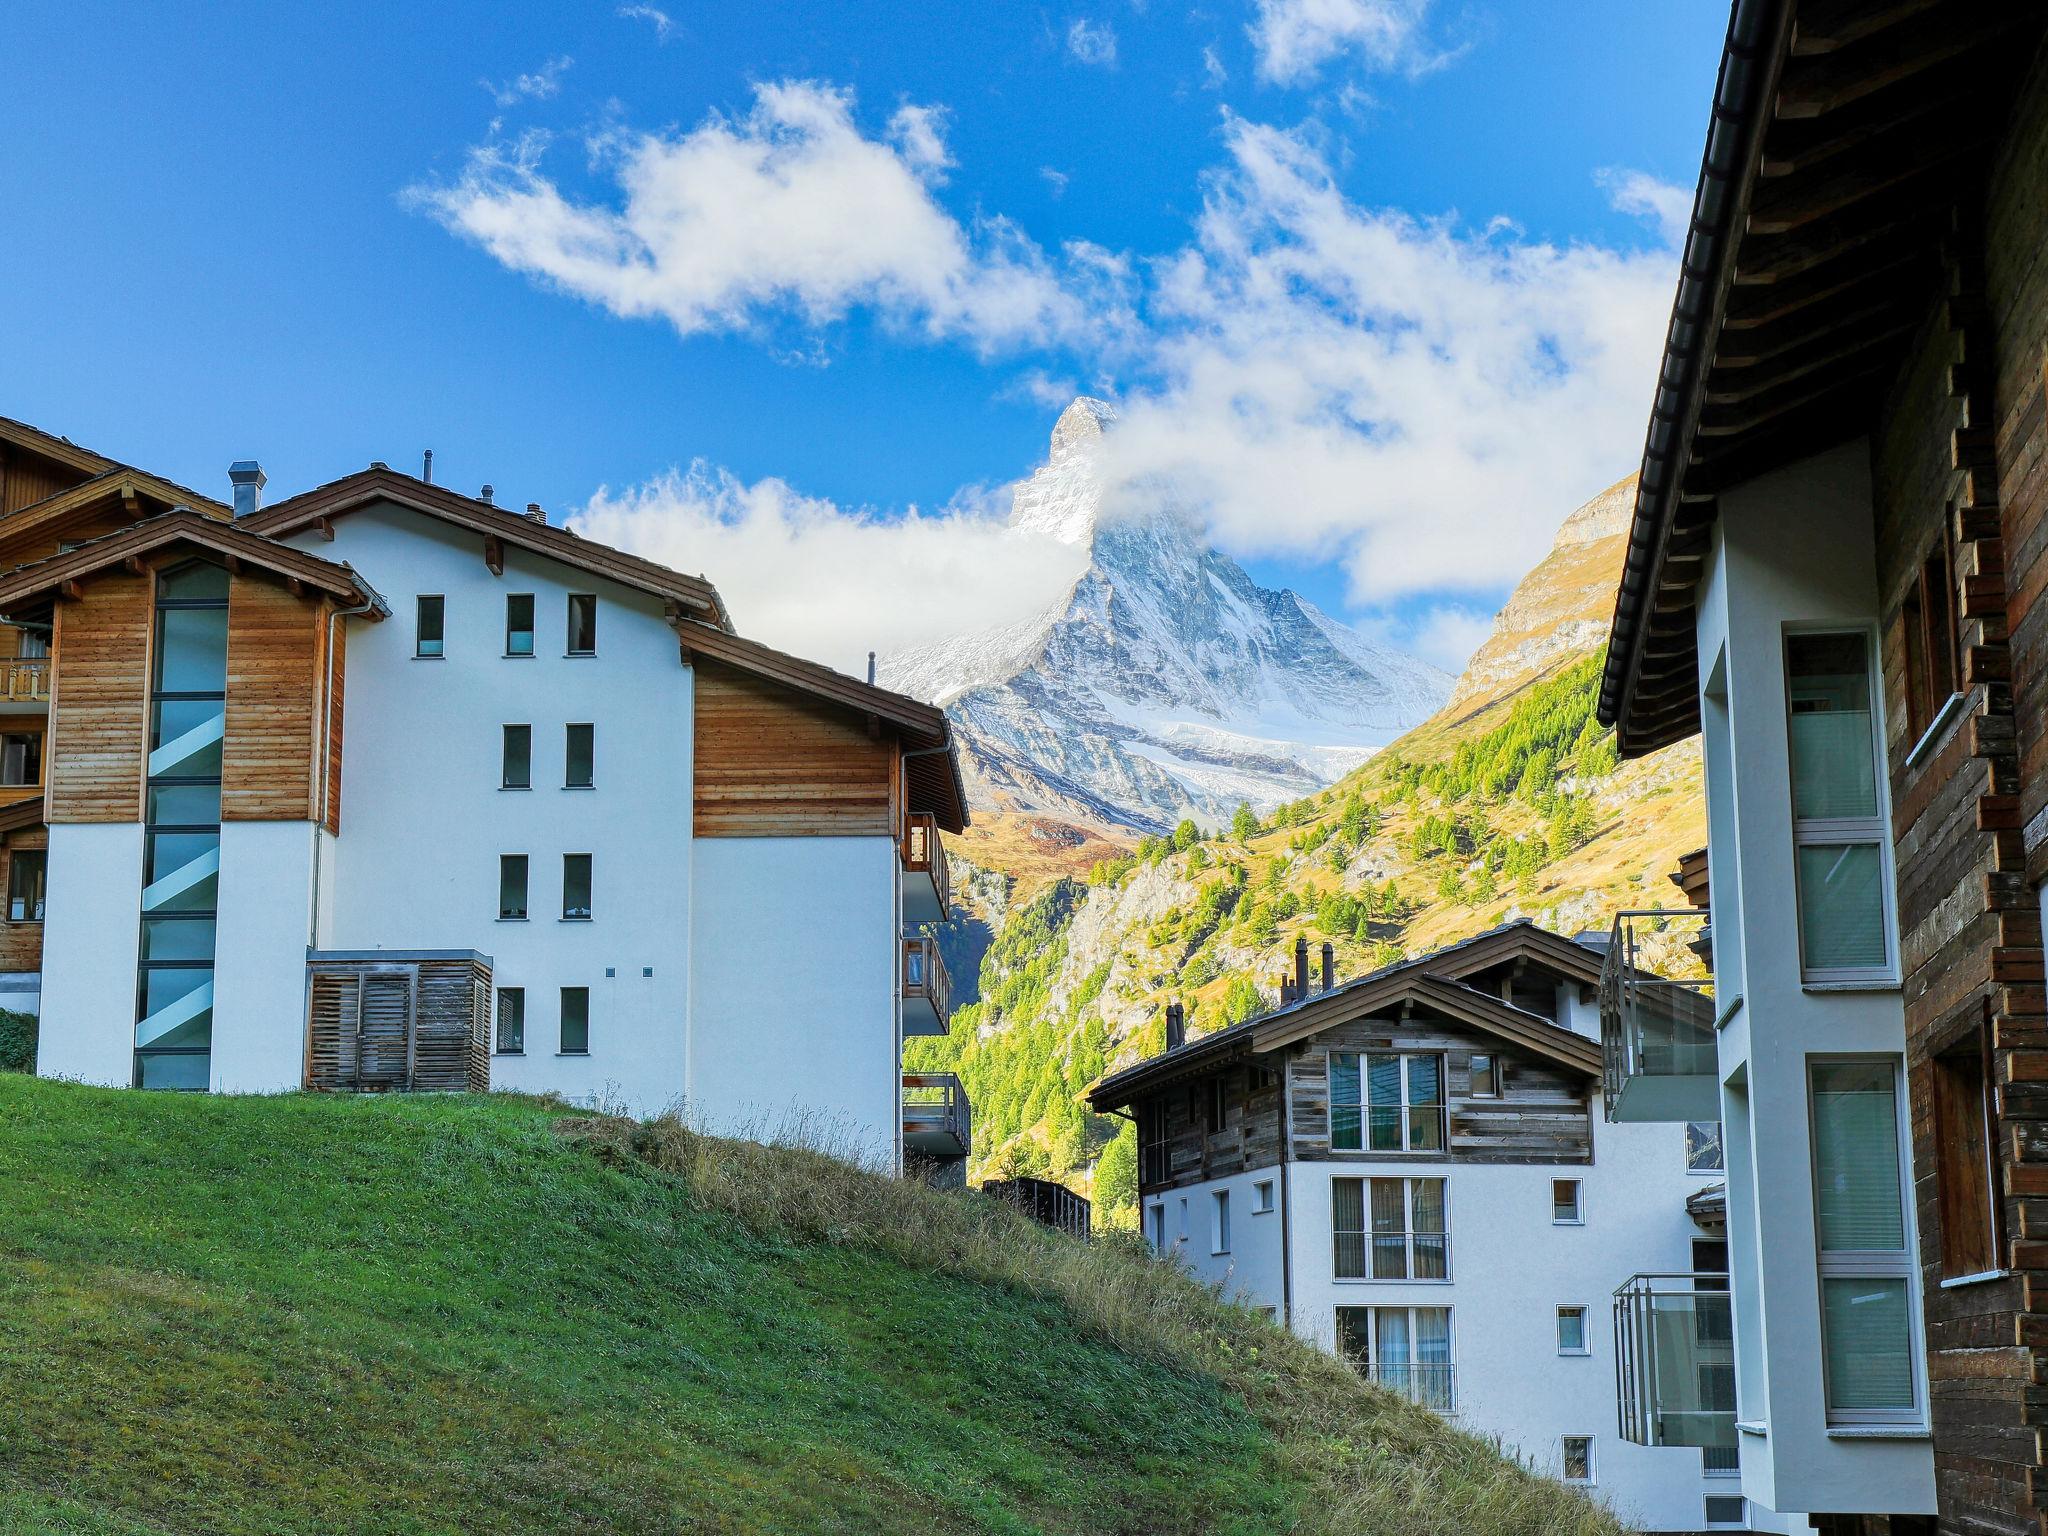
(1929, 623)
(26, 869)
(576, 886)
(517, 768)
(1152, 1144)
(1389, 1229)
(1155, 1221)
(511, 1021)
(1219, 1222)
(582, 624)
(511, 887)
(1966, 1173)
(427, 623)
(1218, 1104)
(1385, 1102)
(575, 1021)
(181, 838)
(1485, 1075)
(1839, 833)
(519, 624)
(1865, 1269)
(579, 769)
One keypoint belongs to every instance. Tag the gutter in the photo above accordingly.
(1740, 100)
(1286, 1195)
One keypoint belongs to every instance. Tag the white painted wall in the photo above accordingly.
(794, 1020)
(1252, 1268)
(1791, 548)
(423, 819)
(259, 968)
(92, 929)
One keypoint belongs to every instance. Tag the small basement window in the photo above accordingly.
(1577, 1459)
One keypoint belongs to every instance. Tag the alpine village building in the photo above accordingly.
(389, 787)
(1412, 1170)
(1835, 580)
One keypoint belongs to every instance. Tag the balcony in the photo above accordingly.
(1657, 1019)
(1674, 1352)
(25, 680)
(938, 1121)
(926, 896)
(927, 993)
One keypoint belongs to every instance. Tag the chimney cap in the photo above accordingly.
(247, 472)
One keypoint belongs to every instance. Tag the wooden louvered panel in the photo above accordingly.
(331, 1005)
(451, 1049)
(390, 1025)
(384, 1032)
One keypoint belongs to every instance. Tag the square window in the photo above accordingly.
(582, 624)
(1703, 1146)
(575, 1021)
(519, 624)
(1571, 1331)
(576, 886)
(428, 616)
(511, 1021)
(1566, 1207)
(1262, 1197)
(1577, 1459)
(580, 757)
(1727, 1512)
(516, 771)
(511, 887)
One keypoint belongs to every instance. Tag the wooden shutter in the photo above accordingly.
(384, 1033)
(331, 1030)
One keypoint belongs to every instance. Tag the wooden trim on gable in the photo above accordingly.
(1454, 1000)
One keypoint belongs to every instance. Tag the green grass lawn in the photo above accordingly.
(310, 1314)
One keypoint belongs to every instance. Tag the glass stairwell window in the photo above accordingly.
(181, 837)
(1838, 826)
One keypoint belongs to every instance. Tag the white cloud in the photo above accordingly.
(1295, 38)
(1092, 42)
(788, 210)
(537, 86)
(1055, 179)
(1447, 636)
(1666, 206)
(1214, 75)
(662, 22)
(822, 581)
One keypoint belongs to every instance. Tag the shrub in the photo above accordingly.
(17, 1041)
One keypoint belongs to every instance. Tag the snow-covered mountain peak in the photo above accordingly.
(1080, 427)
(1063, 497)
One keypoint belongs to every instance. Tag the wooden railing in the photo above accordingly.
(25, 681)
(924, 854)
(936, 1102)
(924, 975)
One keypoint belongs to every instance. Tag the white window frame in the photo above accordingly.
(1219, 1221)
(1585, 1328)
(1407, 1233)
(1262, 1198)
(1848, 831)
(1739, 1523)
(1372, 1333)
(1407, 1105)
(1872, 1264)
(1592, 1477)
(1578, 1216)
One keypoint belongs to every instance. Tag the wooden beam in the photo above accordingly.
(494, 552)
(325, 527)
(296, 587)
(134, 567)
(1793, 202)
(1823, 26)
(70, 591)
(1752, 308)
(1812, 86)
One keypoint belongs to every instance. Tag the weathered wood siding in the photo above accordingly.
(276, 642)
(99, 709)
(1250, 1137)
(396, 1025)
(772, 763)
(21, 944)
(1543, 1113)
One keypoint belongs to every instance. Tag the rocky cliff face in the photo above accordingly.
(1166, 683)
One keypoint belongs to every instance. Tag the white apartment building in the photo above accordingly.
(1411, 1171)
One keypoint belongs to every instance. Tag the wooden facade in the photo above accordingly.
(774, 762)
(273, 757)
(99, 712)
(392, 1022)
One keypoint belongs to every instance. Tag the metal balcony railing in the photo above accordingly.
(923, 854)
(937, 1115)
(926, 986)
(1657, 1018)
(1674, 1360)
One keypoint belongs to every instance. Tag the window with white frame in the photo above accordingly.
(1841, 840)
(1262, 1198)
(1389, 1229)
(1703, 1146)
(1156, 1219)
(1571, 1331)
(1567, 1203)
(1404, 1349)
(1866, 1291)
(1384, 1101)
(1726, 1512)
(1576, 1459)
(1219, 1221)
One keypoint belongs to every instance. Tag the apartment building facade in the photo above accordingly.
(1833, 580)
(1410, 1170)
(384, 786)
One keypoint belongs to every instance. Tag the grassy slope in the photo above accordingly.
(410, 1315)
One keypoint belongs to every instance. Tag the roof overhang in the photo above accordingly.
(317, 508)
(1843, 133)
(150, 541)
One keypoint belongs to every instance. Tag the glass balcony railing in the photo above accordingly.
(1657, 1019)
(1674, 1353)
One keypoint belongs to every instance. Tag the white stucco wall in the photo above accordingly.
(1792, 548)
(423, 819)
(259, 970)
(793, 1013)
(91, 932)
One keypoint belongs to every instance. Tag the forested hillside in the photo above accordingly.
(1521, 809)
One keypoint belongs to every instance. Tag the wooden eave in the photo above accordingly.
(1844, 133)
(183, 531)
(365, 488)
(58, 450)
(120, 486)
(1444, 995)
(21, 815)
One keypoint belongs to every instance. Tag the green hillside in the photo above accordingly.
(307, 1314)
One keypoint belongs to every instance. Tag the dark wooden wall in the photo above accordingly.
(1250, 1137)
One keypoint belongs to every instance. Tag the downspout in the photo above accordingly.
(1286, 1196)
(320, 761)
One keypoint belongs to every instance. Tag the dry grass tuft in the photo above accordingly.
(1375, 1464)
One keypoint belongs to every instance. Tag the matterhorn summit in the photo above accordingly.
(1165, 683)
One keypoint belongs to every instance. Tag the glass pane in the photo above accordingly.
(182, 872)
(582, 622)
(1571, 1330)
(177, 938)
(518, 765)
(581, 755)
(193, 582)
(192, 650)
(1425, 1080)
(427, 626)
(1347, 1222)
(1345, 1124)
(1354, 1335)
(177, 1008)
(575, 1019)
(519, 624)
(575, 885)
(1384, 1075)
(173, 1071)
(1868, 1344)
(194, 805)
(1426, 1130)
(1428, 1200)
(1856, 1156)
(512, 885)
(1564, 1199)
(511, 1018)
(25, 871)
(1389, 1225)
(1390, 1336)
(1483, 1083)
(1833, 754)
(1841, 906)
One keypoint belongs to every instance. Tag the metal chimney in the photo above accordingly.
(871, 668)
(1176, 1028)
(486, 496)
(248, 479)
(1329, 965)
(427, 466)
(1301, 965)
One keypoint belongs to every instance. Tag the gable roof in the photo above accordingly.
(60, 450)
(1431, 981)
(234, 543)
(100, 477)
(366, 487)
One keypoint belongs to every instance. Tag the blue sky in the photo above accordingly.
(320, 238)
